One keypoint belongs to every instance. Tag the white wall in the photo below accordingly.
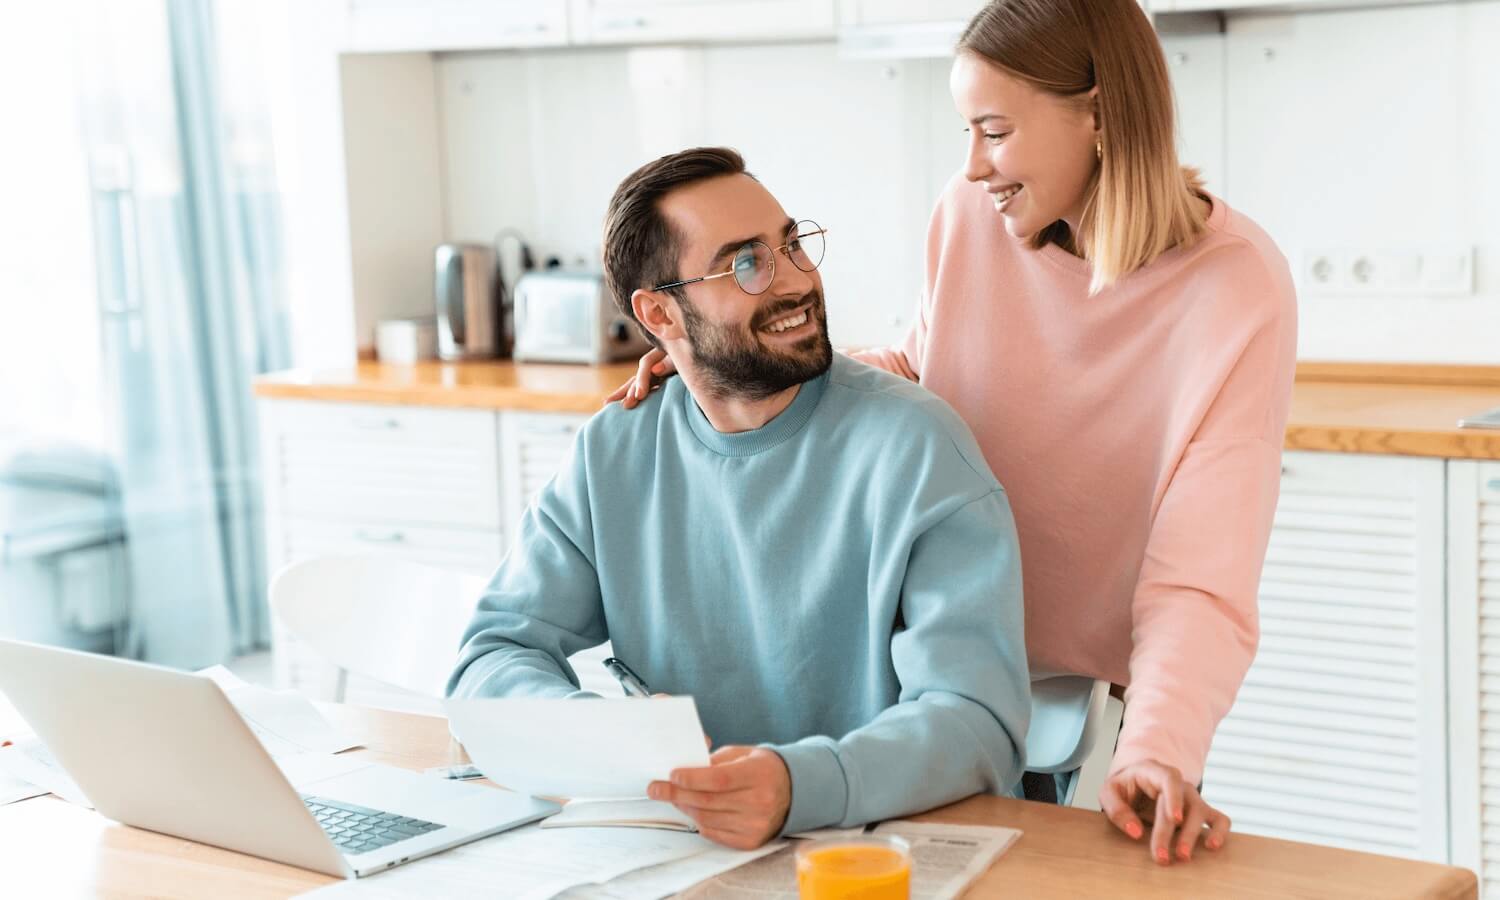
(538, 141)
(1374, 129)
(1366, 129)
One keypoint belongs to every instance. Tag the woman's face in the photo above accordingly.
(1031, 150)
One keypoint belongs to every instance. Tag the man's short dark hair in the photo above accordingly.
(640, 245)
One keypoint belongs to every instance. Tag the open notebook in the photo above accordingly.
(641, 813)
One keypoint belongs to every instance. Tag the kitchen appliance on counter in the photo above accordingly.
(567, 316)
(1490, 418)
(406, 341)
(471, 309)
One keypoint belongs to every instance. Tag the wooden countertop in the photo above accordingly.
(476, 385)
(54, 849)
(1345, 407)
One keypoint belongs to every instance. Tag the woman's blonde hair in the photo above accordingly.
(1140, 201)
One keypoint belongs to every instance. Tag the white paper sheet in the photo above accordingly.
(526, 864)
(945, 860)
(579, 748)
(13, 789)
(285, 722)
(670, 878)
(621, 813)
(28, 759)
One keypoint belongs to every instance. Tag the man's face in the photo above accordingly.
(739, 341)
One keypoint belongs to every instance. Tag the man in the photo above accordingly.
(811, 548)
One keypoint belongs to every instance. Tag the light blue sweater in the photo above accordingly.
(842, 585)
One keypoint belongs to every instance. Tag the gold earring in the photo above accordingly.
(1099, 147)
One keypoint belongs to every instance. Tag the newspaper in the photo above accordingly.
(946, 859)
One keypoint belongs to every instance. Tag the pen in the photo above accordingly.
(631, 682)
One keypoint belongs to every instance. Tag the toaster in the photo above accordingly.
(567, 316)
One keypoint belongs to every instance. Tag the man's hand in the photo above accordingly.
(741, 799)
(1157, 793)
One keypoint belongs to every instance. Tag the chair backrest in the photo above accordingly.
(389, 619)
(1066, 712)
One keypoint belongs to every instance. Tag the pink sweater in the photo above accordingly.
(1138, 434)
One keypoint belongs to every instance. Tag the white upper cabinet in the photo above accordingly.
(661, 21)
(398, 25)
(861, 13)
(1280, 6)
(1339, 734)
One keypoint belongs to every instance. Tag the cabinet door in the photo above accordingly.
(653, 21)
(1338, 736)
(532, 447)
(1474, 666)
(394, 25)
(902, 12)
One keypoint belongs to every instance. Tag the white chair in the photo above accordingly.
(1074, 723)
(392, 620)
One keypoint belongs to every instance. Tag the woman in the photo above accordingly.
(1122, 345)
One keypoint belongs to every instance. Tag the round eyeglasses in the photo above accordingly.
(754, 263)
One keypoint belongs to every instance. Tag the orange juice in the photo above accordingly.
(868, 868)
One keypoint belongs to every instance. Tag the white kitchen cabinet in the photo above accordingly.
(444, 487)
(1278, 6)
(406, 25)
(348, 478)
(1339, 734)
(659, 21)
(1474, 666)
(903, 12)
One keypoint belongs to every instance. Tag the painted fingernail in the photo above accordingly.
(1134, 831)
(1184, 852)
(1214, 843)
(1177, 816)
(1161, 856)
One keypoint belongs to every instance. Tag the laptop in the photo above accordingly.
(166, 751)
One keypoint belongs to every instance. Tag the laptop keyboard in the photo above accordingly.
(358, 829)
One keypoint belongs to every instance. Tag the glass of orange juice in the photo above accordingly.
(868, 867)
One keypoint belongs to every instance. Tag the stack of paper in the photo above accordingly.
(533, 863)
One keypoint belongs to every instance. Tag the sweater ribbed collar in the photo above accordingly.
(777, 431)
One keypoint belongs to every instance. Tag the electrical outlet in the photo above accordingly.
(1434, 271)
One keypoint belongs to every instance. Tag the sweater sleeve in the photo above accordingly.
(543, 604)
(1194, 618)
(959, 726)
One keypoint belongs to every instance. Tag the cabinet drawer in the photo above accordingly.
(473, 551)
(383, 463)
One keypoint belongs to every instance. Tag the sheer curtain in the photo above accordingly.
(189, 282)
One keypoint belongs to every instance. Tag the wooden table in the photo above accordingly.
(51, 849)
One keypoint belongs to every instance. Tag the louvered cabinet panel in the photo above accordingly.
(1338, 735)
(1474, 666)
(532, 449)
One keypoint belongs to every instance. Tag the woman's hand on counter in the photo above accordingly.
(1157, 794)
(653, 366)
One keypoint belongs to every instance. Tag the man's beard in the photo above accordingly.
(735, 362)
